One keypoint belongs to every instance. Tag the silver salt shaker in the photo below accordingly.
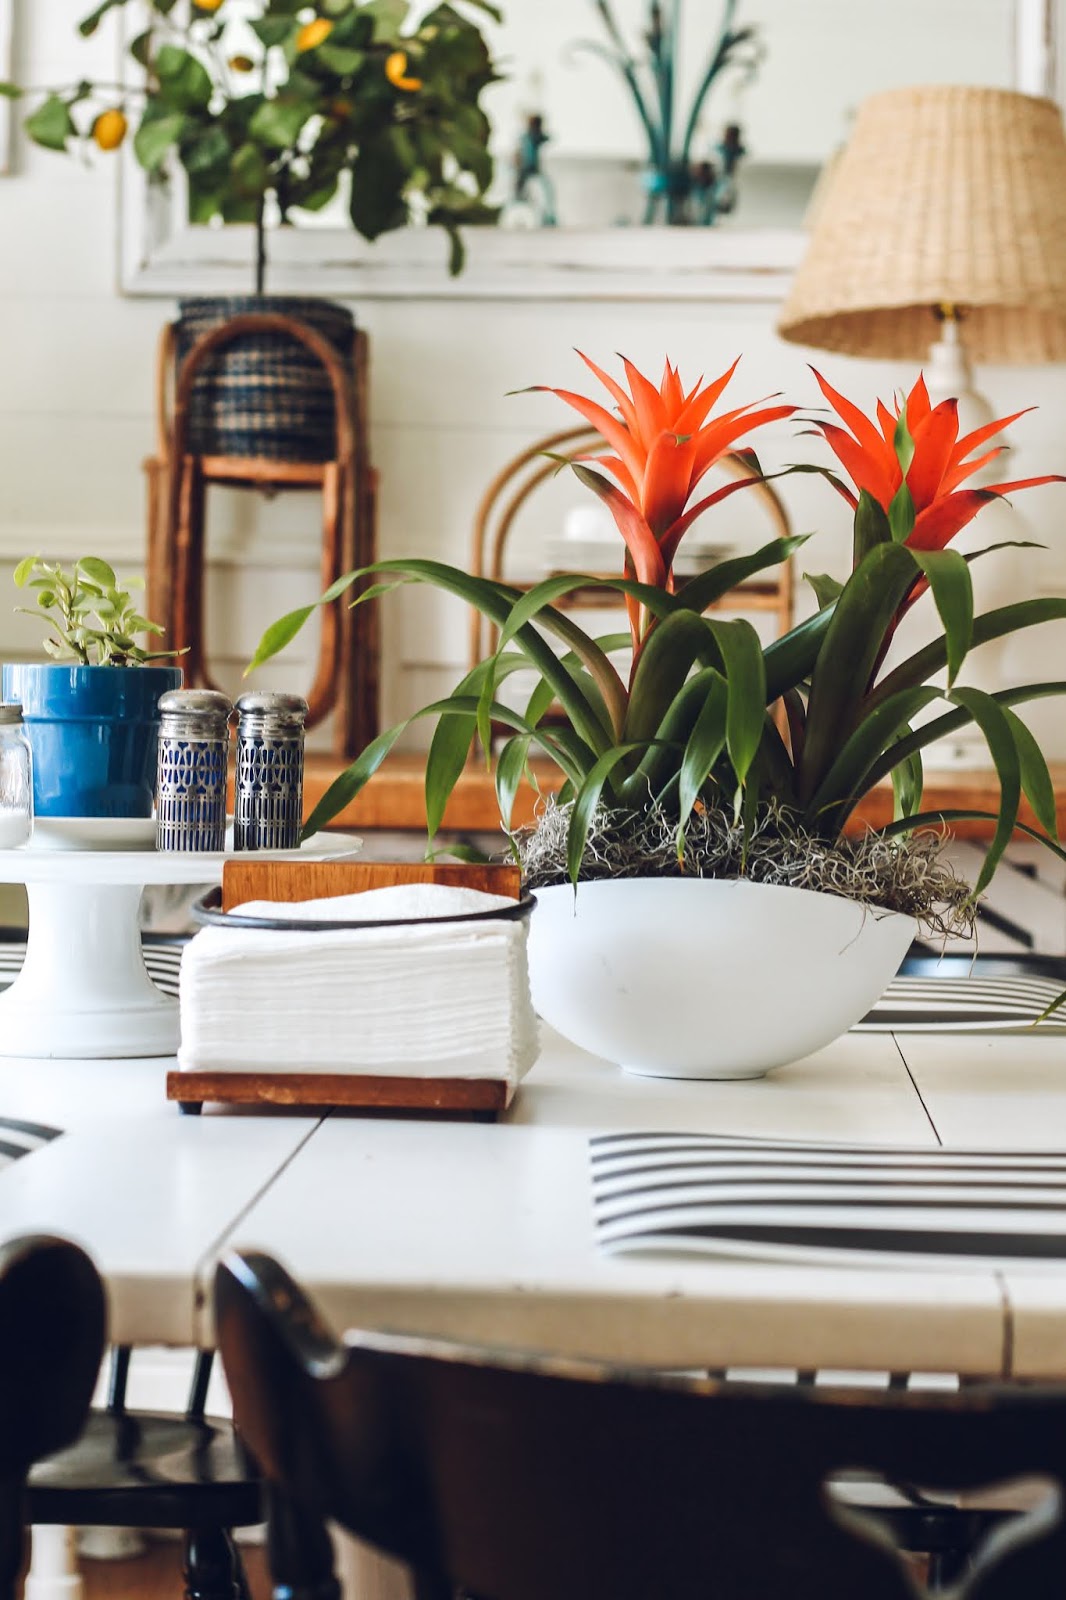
(193, 758)
(269, 786)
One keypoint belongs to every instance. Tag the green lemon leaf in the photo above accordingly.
(212, 149)
(277, 123)
(154, 140)
(184, 80)
(51, 125)
(272, 31)
(88, 25)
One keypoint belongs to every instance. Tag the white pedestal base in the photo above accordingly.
(83, 991)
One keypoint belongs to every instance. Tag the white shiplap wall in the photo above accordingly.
(76, 414)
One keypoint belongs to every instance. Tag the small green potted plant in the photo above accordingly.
(271, 111)
(702, 912)
(91, 712)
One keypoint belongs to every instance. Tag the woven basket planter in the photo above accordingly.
(265, 395)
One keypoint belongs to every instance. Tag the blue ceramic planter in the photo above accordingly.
(94, 734)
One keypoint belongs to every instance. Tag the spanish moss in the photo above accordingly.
(906, 874)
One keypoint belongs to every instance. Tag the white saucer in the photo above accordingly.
(92, 833)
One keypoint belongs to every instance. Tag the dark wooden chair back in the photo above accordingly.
(52, 1328)
(512, 1478)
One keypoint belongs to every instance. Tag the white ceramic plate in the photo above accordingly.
(139, 833)
(93, 833)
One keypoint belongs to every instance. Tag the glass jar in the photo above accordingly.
(16, 780)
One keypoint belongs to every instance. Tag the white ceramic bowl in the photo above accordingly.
(701, 978)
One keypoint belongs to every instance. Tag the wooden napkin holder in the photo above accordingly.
(289, 881)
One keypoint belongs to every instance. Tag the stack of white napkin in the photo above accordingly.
(449, 1000)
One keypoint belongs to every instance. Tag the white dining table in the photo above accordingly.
(485, 1231)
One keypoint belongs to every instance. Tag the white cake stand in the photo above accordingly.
(84, 991)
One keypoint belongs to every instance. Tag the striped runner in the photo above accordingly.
(705, 1194)
(19, 1138)
(162, 957)
(985, 1004)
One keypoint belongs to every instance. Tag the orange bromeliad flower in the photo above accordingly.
(664, 442)
(940, 463)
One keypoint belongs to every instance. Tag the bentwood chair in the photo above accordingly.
(509, 493)
(52, 1328)
(136, 1469)
(512, 1478)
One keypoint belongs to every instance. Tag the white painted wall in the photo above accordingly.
(821, 58)
(76, 413)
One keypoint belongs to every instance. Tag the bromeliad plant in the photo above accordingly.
(713, 736)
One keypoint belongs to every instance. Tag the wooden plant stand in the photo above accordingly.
(346, 675)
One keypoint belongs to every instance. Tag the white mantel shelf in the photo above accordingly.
(619, 264)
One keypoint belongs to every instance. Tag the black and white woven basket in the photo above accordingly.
(265, 395)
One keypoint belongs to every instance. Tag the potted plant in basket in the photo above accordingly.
(722, 922)
(278, 114)
(91, 713)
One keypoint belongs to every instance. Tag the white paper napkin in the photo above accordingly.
(406, 999)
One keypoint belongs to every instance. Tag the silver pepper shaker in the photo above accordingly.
(268, 800)
(193, 758)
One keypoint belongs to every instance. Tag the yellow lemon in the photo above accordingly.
(314, 33)
(241, 63)
(109, 129)
(396, 72)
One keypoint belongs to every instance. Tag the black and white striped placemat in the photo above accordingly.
(162, 957)
(702, 1194)
(19, 1138)
(979, 1004)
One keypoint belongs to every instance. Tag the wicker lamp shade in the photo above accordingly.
(943, 197)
